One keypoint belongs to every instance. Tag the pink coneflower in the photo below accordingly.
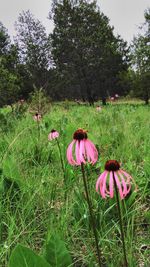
(53, 135)
(80, 151)
(82, 148)
(113, 174)
(112, 98)
(98, 108)
(115, 179)
(37, 117)
(21, 101)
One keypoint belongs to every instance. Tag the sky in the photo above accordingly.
(124, 15)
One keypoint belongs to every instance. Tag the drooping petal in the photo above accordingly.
(118, 185)
(82, 151)
(56, 135)
(99, 181)
(103, 191)
(87, 151)
(129, 178)
(94, 151)
(111, 184)
(92, 154)
(50, 136)
(70, 153)
(124, 184)
(101, 184)
(77, 153)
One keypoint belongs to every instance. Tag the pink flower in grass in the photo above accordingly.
(53, 134)
(98, 108)
(81, 149)
(37, 117)
(105, 182)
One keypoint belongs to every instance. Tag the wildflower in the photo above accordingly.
(21, 101)
(37, 117)
(112, 98)
(82, 148)
(53, 135)
(113, 174)
(98, 108)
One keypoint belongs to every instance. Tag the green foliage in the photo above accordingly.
(84, 49)
(10, 83)
(32, 191)
(39, 102)
(141, 60)
(9, 87)
(56, 252)
(4, 40)
(34, 48)
(24, 257)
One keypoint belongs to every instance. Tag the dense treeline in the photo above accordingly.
(81, 58)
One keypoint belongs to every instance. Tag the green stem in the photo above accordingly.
(120, 221)
(91, 215)
(38, 126)
(61, 158)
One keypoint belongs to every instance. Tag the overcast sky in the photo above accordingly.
(124, 15)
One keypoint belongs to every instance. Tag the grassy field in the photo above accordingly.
(36, 202)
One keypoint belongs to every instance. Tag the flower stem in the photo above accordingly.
(61, 159)
(121, 222)
(38, 126)
(91, 215)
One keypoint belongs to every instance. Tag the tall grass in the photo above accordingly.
(32, 188)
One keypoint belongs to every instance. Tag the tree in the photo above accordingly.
(9, 79)
(4, 40)
(34, 48)
(141, 59)
(85, 51)
(9, 87)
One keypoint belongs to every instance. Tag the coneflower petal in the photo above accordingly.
(82, 151)
(111, 184)
(98, 183)
(70, 154)
(124, 185)
(103, 190)
(87, 151)
(52, 135)
(118, 185)
(129, 178)
(101, 184)
(49, 137)
(91, 152)
(94, 151)
(77, 153)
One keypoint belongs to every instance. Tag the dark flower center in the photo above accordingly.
(112, 165)
(52, 131)
(80, 134)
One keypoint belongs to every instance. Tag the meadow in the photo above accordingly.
(38, 202)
